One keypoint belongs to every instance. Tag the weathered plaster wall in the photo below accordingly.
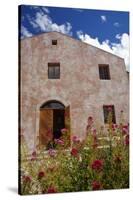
(79, 85)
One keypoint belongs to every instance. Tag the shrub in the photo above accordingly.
(100, 162)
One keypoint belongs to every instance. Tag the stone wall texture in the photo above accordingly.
(79, 85)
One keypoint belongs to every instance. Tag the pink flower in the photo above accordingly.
(59, 141)
(96, 185)
(97, 165)
(64, 130)
(74, 152)
(75, 139)
(114, 126)
(124, 131)
(41, 174)
(52, 152)
(51, 190)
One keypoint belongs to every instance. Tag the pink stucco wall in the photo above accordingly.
(79, 85)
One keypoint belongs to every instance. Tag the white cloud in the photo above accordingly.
(46, 10)
(116, 24)
(118, 36)
(25, 32)
(120, 49)
(103, 18)
(40, 9)
(45, 23)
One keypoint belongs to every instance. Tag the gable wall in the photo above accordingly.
(79, 85)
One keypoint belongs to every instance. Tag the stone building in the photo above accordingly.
(63, 79)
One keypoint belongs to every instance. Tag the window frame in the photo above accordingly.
(104, 72)
(106, 113)
(54, 66)
(54, 42)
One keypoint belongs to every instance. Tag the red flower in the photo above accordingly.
(125, 126)
(96, 185)
(51, 190)
(41, 174)
(97, 165)
(34, 154)
(74, 152)
(27, 179)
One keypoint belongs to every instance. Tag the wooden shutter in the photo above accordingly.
(67, 117)
(67, 124)
(46, 126)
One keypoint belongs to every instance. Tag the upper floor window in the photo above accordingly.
(54, 42)
(104, 72)
(109, 109)
(53, 70)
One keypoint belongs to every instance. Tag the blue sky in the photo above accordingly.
(108, 30)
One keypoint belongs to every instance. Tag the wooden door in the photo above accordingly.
(46, 126)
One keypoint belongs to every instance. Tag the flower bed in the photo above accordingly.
(100, 162)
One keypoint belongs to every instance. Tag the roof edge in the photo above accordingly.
(72, 39)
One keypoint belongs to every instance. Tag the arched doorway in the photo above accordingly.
(53, 117)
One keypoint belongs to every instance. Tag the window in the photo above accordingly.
(53, 70)
(109, 109)
(104, 72)
(54, 42)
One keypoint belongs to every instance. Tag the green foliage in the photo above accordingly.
(100, 162)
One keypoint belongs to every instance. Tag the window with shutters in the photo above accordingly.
(54, 42)
(107, 109)
(54, 70)
(104, 72)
